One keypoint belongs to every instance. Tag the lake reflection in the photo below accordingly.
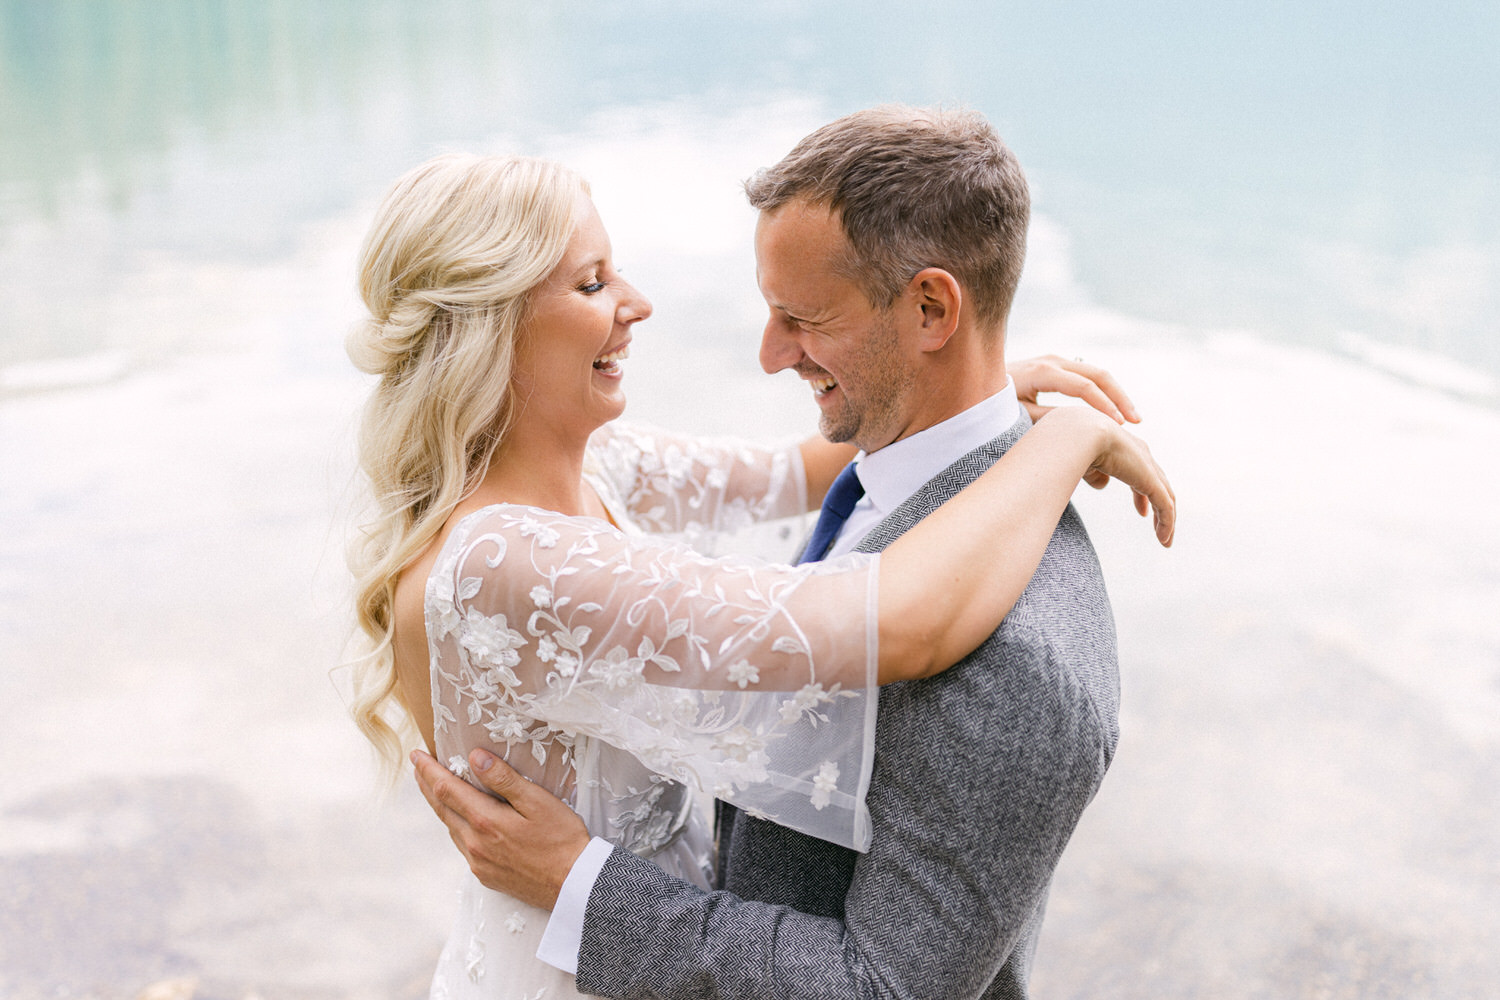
(1316, 173)
(1230, 204)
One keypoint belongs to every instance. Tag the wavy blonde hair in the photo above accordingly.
(445, 272)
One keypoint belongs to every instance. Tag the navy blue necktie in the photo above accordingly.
(842, 496)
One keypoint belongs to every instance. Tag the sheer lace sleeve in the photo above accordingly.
(679, 483)
(753, 682)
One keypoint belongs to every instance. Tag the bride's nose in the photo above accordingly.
(634, 307)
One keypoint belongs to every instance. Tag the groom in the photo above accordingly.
(889, 247)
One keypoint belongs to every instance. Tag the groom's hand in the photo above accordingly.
(523, 846)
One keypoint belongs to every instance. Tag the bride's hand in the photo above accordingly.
(1076, 378)
(1125, 457)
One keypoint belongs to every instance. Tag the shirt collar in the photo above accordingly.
(903, 467)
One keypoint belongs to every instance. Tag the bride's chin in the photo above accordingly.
(609, 408)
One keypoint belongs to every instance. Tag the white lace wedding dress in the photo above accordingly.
(633, 677)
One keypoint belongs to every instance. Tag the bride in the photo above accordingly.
(523, 582)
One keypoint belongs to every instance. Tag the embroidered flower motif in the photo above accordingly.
(458, 766)
(743, 672)
(741, 744)
(678, 467)
(546, 537)
(546, 649)
(506, 727)
(567, 664)
(489, 639)
(515, 923)
(541, 596)
(825, 782)
(804, 701)
(484, 688)
(618, 670)
(440, 598)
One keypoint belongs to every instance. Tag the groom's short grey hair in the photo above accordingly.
(913, 188)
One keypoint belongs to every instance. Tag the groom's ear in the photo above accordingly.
(934, 299)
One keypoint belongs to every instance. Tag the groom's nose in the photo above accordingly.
(779, 349)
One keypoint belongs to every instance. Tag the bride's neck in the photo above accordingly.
(532, 466)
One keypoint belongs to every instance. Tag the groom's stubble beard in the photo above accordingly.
(875, 385)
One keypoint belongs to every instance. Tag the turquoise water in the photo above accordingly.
(1278, 227)
(1324, 173)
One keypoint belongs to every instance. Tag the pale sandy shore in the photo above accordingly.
(1306, 801)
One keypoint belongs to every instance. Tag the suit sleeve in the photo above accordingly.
(971, 813)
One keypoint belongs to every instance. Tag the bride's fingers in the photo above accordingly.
(1134, 465)
(1079, 386)
(1095, 391)
(1074, 377)
(1108, 386)
(1163, 503)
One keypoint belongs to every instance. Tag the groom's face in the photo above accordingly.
(822, 327)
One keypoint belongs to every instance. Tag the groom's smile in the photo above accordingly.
(823, 327)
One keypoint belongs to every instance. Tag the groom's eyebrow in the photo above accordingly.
(794, 317)
(796, 313)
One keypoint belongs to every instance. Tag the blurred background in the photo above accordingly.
(1279, 223)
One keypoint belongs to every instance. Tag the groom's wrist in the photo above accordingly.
(563, 937)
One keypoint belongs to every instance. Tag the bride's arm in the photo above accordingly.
(946, 584)
(672, 482)
(822, 459)
(545, 628)
(575, 603)
(557, 622)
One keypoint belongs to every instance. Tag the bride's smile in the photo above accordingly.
(578, 331)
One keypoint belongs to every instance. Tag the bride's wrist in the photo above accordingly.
(1094, 433)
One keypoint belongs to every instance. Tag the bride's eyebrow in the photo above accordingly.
(585, 268)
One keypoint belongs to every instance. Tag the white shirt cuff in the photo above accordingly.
(564, 934)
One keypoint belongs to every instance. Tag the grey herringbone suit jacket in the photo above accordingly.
(980, 775)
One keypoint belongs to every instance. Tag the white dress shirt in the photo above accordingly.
(896, 472)
(890, 476)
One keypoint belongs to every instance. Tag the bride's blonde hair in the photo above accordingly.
(445, 271)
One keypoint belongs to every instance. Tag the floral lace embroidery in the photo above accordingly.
(556, 640)
(577, 650)
(672, 483)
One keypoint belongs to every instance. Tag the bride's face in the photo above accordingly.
(568, 365)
